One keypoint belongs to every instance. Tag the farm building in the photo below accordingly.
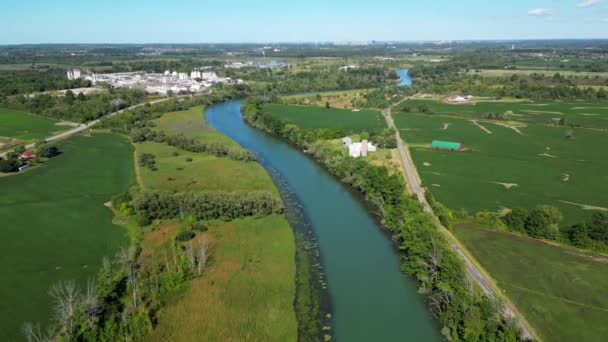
(446, 145)
(27, 155)
(358, 149)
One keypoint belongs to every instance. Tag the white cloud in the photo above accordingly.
(541, 11)
(588, 3)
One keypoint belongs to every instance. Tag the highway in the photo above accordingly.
(478, 276)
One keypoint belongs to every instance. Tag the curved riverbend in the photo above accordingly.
(404, 78)
(370, 298)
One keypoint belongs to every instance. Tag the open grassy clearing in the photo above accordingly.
(248, 289)
(315, 117)
(585, 114)
(55, 226)
(337, 99)
(27, 127)
(507, 168)
(203, 172)
(561, 291)
(246, 293)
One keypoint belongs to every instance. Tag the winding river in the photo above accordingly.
(371, 300)
(404, 77)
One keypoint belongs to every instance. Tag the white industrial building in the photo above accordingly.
(358, 149)
(74, 74)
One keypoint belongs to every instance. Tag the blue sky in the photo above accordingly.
(192, 21)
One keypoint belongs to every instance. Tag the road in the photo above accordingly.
(475, 273)
(87, 125)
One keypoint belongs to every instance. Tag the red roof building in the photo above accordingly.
(28, 155)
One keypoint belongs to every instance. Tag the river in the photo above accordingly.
(404, 77)
(371, 300)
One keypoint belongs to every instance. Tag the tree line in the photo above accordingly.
(465, 313)
(190, 144)
(149, 205)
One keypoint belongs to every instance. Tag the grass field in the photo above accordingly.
(27, 127)
(562, 292)
(566, 73)
(585, 114)
(55, 226)
(336, 99)
(315, 117)
(204, 172)
(248, 290)
(509, 169)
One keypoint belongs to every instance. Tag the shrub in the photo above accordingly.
(199, 227)
(184, 236)
(143, 219)
(188, 160)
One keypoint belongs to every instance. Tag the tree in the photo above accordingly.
(69, 97)
(543, 222)
(598, 226)
(578, 235)
(516, 219)
(8, 165)
(327, 105)
(65, 299)
(47, 150)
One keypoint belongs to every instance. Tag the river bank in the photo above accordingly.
(369, 295)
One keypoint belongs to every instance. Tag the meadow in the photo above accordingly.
(55, 226)
(561, 291)
(316, 117)
(346, 99)
(584, 114)
(248, 289)
(505, 168)
(27, 127)
(566, 73)
(183, 170)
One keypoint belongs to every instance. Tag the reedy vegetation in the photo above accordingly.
(465, 313)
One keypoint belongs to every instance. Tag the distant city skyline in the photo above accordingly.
(238, 21)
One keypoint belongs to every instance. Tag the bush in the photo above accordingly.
(184, 236)
(199, 227)
(188, 160)
(143, 219)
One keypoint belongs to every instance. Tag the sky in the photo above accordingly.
(215, 21)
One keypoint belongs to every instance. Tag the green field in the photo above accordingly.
(55, 226)
(248, 289)
(27, 127)
(584, 114)
(561, 291)
(315, 117)
(509, 169)
(566, 73)
(247, 292)
(204, 172)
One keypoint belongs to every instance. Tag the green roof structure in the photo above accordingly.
(447, 145)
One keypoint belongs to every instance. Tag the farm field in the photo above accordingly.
(561, 291)
(248, 288)
(55, 226)
(247, 291)
(585, 114)
(315, 117)
(27, 127)
(566, 73)
(505, 169)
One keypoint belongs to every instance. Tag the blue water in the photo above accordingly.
(405, 79)
(371, 299)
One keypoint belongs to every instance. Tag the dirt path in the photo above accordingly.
(480, 126)
(515, 128)
(471, 267)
